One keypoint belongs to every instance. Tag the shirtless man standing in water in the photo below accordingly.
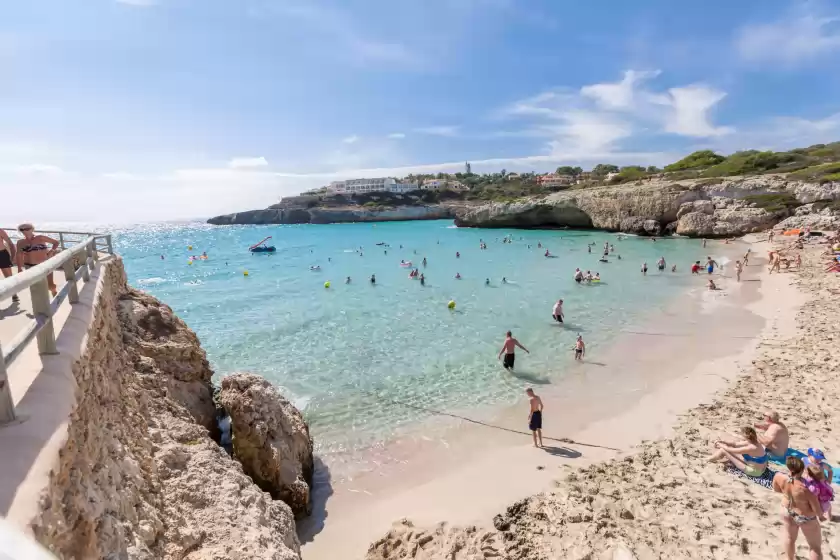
(508, 349)
(535, 416)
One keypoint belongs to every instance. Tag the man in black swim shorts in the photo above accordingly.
(535, 416)
(508, 349)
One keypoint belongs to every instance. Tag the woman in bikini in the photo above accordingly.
(32, 250)
(748, 455)
(800, 510)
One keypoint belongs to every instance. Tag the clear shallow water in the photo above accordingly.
(344, 354)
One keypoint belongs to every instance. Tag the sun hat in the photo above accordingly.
(816, 453)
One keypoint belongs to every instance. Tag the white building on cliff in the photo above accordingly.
(381, 184)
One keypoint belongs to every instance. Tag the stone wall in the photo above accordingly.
(138, 476)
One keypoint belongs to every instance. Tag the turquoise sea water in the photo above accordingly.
(344, 353)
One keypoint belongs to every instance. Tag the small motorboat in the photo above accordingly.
(261, 247)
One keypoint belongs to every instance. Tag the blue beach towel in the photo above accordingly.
(791, 452)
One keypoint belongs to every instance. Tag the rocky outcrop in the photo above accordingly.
(270, 439)
(334, 215)
(138, 477)
(710, 208)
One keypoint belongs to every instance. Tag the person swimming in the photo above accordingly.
(603, 259)
(487, 282)
(660, 264)
(457, 255)
(424, 261)
(347, 281)
(457, 276)
(588, 276)
(504, 280)
(315, 268)
(674, 268)
(644, 269)
(578, 276)
(597, 277)
(373, 278)
(547, 254)
(422, 280)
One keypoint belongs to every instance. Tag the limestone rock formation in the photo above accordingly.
(270, 439)
(138, 477)
(708, 208)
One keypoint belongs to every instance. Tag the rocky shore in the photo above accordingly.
(140, 475)
(694, 208)
(710, 208)
(664, 500)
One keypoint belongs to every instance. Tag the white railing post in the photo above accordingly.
(110, 244)
(40, 294)
(95, 251)
(89, 256)
(61, 240)
(7, 405)
(70, 277)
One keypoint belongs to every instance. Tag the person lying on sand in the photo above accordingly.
(800, 510)
(747, 455)
(775, 437)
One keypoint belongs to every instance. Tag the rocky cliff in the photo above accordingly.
(707, 208)
(368, 207)
(270, 439)
(139, 477)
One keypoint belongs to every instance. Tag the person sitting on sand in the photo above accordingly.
(747, 455)
(800, 510)
(712, 285)
(819, 486)
(535, 416)
(775, 437)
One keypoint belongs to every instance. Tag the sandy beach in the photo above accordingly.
(669, 367)
(661, 500)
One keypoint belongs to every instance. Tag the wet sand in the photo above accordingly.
(631, 391)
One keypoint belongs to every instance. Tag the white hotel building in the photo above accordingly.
(386, 184)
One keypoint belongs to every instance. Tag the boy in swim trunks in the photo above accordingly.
(535, 416)
(508, 349)
(580, 348)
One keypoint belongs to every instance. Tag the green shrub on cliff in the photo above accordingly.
(774, 202)
(697, 160)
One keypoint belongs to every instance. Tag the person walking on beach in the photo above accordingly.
(7, 257)
(580, 348)
(644, 269)
(801, 510)
(535, 416)
(557, 312)
(508, 349)
(738, 269)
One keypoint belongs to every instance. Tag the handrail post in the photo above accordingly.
(70, 277)
(110, 244)
(41, 307)
(94, 250)
(7, 405)
(61, 240)
(89, 256)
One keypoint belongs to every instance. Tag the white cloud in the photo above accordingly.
(438, 130)
(789, 40)
(121, 176)
(247, 162)
(38, 169)
(690, 106)
(396, 136)
(350, 139)
(618, 95)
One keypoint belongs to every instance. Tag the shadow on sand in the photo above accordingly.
(561, 452)
(321, 491)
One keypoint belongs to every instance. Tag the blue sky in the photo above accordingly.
(165, 109)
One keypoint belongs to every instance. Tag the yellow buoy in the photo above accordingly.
(451, 304)
(327, 284)
(189, 247)
(245, 273)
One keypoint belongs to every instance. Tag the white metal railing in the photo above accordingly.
(78, 256)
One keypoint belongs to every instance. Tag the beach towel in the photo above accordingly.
(796, 453)
(765, 480)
